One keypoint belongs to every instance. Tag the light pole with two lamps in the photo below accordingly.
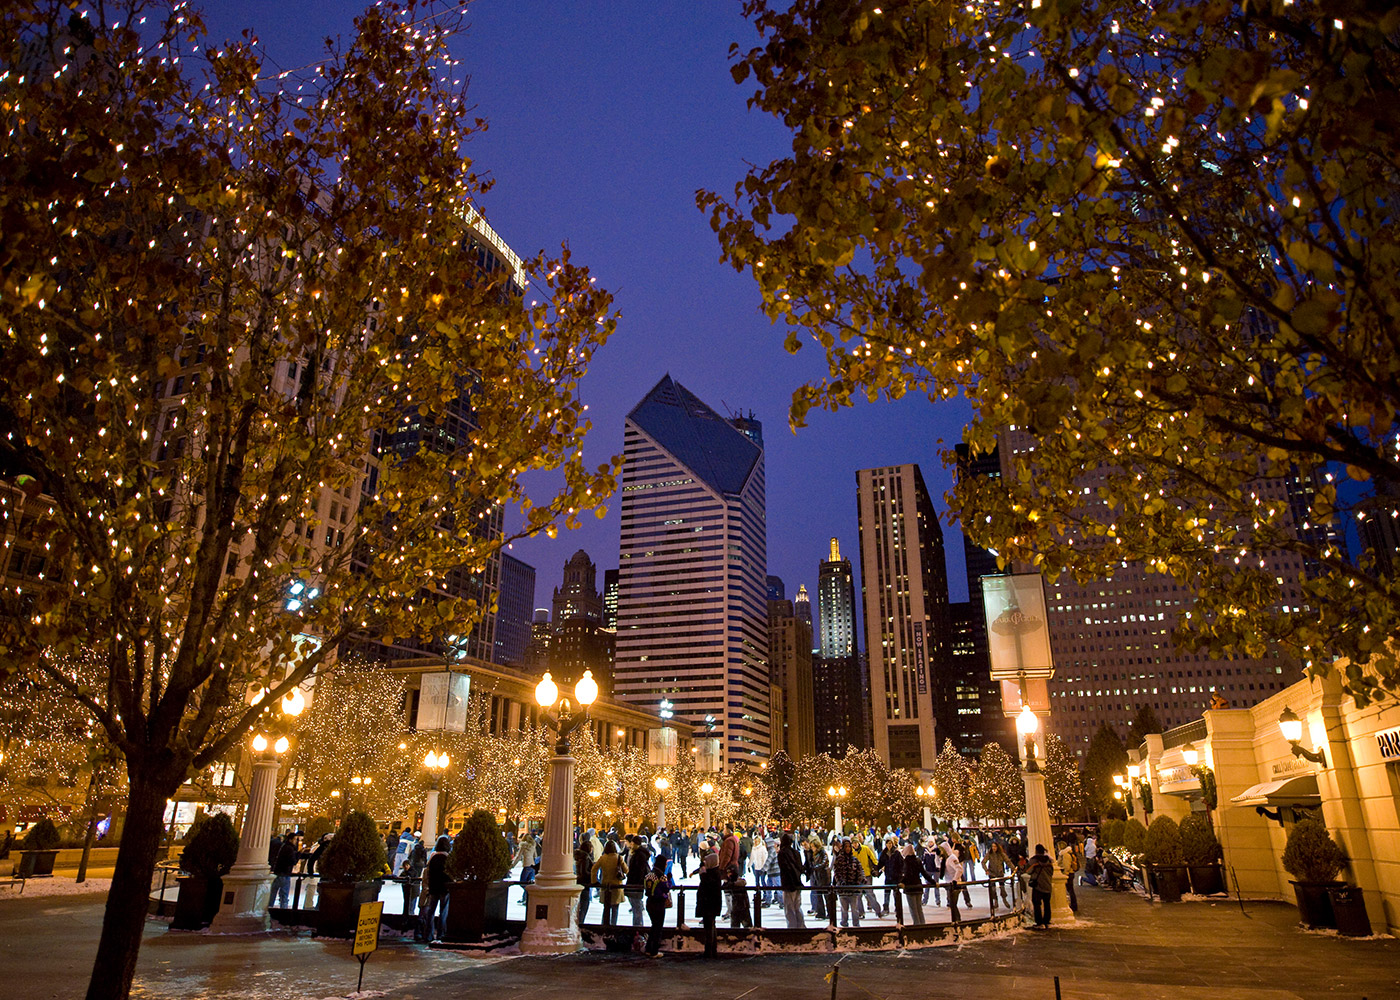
(837, 795)
(436, 763)
(925, 796)
(662, 784)
(248, 885)
(707, 789)
(550, 922)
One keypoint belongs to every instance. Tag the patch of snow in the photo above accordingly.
(58, 886)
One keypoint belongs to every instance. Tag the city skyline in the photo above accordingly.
(641, 96)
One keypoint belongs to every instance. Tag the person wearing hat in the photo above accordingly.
(411, 871)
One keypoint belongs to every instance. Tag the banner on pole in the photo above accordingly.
(661, 747)
(1018, 632)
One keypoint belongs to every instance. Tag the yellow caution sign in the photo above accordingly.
(367, 930)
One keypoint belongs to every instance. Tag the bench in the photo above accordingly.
(11, 882)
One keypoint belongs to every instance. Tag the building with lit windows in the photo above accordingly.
(514, 609)
(692, 610)
(904, 581)
(790, 677)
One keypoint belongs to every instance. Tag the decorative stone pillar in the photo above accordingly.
(430, 818)
(248, 885)
(551, 905)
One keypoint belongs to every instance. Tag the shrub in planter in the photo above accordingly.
(479, 858)
(1314, 860)
(1163, 852)
(1111, 833)
(1134, 835)
(40, 847)
(351, 867)
(208, 855)
(1201, 852)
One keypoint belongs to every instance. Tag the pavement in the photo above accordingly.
(1124, 947)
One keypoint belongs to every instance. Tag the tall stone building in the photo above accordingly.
(904, 580)
(514, 609)
(790, 678)
(692, 613)
(836, 605)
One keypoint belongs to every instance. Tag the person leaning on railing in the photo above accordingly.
(912, 879)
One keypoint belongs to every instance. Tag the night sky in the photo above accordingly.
(604, 119)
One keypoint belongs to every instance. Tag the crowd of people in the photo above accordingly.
(838, 878)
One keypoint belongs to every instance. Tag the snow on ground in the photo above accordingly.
(59, 885)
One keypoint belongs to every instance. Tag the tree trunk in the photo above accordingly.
(124, 920)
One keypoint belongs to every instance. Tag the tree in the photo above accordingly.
(1105, 758)
(780, 776)
(996, 790)
(1154, 238)
(1063, 793)
(1144, 722)
(951, 777)
(258, 385)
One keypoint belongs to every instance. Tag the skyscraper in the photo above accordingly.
(790, 677)
(802, 605)
(578, 597)
(692, 612)
(610, 600)
(777, 591)
(513, 610)
(904, 581)
(836, 605)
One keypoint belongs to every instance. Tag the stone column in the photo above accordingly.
(248, 885)
(551, 906)
(430, 818)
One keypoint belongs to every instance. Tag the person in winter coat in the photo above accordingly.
(282, 868)
(432, 909)
(870, 867)
(411, 871)
(1040, 872)
(952, 875)
(583, 874)
(932, 863)
(736, 890)
(996, 864)
(708, 900)
(890, 858)
(848, 875)
(1068, 862)
(758, 860)
(772, 871)
(638, 868)
(680, 850)
(657, 887)
(609, 873)
(790, 879)
(912, 880)
(819, 871)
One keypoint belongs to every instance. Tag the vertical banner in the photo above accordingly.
(1018, 633)
(455, 716)
(432, 701)
(661, 747)
(707, 755)
(920, 660)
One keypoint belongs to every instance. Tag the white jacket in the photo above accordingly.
(758, 855)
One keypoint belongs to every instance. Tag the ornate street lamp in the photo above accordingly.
(436, 763)
(550, 919)
(1291, 726)
(707, 789)
(836, 795)
(661, 785)
(926, 796)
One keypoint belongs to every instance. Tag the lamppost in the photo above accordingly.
(1139, 780)
(1038, 829)
(248, 885)
(361, 783)
(661, 785)
(1291, 726)
(926, 800)
(550, 922)
(836, 795)
(1203, 774)
(436, 763)
(593, 795)
(706, 789)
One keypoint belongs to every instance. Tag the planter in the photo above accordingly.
(1206, 880)
(474, 908)
(1167, 881)
(1314, 904)
(32, 863)
(1349, 908)
(197, 902)
(338, 910)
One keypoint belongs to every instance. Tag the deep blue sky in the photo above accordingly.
(604, 119)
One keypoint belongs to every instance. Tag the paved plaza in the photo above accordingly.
(1125, 948)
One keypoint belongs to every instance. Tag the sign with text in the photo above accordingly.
(442, 702)
(707, 755)
(367, 927)
(1018, 631)
(1037, 696)
(920, 659)
(661, 747)
(1388, 742)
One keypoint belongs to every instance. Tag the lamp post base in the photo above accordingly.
(243, 909)
(551, 925)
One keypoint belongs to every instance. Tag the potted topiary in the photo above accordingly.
(1313, 858)
(351, 870)
(1164, 859)
(479, 858)
(40, 848)
(1201, 852)
(208, 855)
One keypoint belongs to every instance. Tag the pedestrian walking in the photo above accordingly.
(890, 858)
(583, 874)
(870, 867)
(412, 874)
(282, 868)
(912, 880)
(758, 859)
(432, 906)
(1040, 872)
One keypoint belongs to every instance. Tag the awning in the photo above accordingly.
(1295, 790)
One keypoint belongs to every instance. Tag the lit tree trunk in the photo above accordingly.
(124, 919)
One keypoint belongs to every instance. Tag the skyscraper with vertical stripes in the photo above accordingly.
(692, 615)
